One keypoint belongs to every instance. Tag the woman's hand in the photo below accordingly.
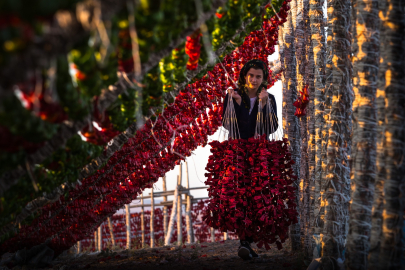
(234, 95)
(263, 95)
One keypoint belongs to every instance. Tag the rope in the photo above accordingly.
(229, 121)
(266, 120)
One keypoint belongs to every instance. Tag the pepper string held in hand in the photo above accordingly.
(213, 85)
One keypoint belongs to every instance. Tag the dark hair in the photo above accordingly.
(255, 64)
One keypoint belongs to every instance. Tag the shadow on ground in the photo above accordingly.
(206, 256)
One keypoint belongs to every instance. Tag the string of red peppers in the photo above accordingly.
(145, 158)
(302, 102)
(193, 49)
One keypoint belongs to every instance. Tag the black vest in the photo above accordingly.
(246, 121)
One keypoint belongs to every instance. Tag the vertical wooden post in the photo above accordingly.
(169, 234)
(164, 207)
(128, 223)
(79, 247)
(95, 240)
(152, 217)
(212, 235)
(179, 216)
(225, 236)
(189, 221)
(180, 176)
(110, 226)
(100, 238)
(142, 223)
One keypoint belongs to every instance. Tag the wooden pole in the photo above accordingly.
(180, 176)
(164, 207)
(100, 239)
(128, 223)
(95, 240)
(212, 235)
(179, 213)
(179, 221)
(79, 247)
(189, 221)
(142, 223)
(110, 226)
(152, 217)
(169, 234)
(225, 236)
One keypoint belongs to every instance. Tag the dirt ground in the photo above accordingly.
(205, 256)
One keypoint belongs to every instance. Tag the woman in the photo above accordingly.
(252, 88)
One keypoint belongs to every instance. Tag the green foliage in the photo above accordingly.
(31, 10)
(89, 76)
(25, 20)
(23, 123)
(152, 92)
(270, 11)
(122, 112)
(62, 167)
(230, 21)
(76, 105)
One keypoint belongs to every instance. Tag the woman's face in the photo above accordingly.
(254, 78)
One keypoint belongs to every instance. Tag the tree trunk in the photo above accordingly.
(169, 234)
(289, 96)
(310, 188)
(389, 200)
(300, 44)
(152, 219)
(319, 56)
(363, 170)
(336, 182)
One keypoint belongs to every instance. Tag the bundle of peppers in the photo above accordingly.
(250, 189)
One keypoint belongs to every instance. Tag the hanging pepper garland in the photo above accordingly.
(129, 170)
(193, 49)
